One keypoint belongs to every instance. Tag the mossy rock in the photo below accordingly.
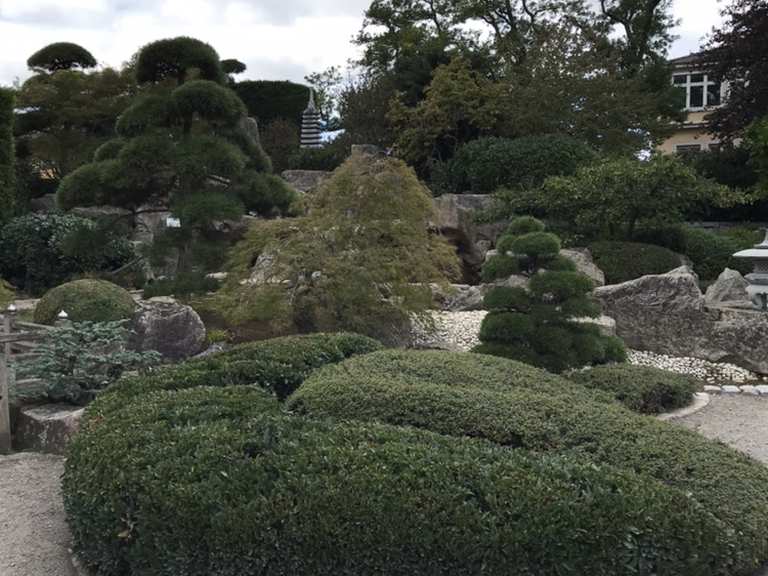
(86, 301)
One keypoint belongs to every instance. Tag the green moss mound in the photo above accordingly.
(624, 261)
(216, 482)
(640, 388)
(723, 481)
(86, 301)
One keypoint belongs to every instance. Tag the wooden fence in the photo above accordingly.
(18, 342)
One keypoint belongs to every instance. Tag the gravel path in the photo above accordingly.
(34, 538)
(739, 420)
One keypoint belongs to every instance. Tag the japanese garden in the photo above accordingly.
(491, 298)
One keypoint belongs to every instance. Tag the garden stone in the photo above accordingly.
(305, 180)
(45, 204)
(668, 314)
(731, 389)
(459, 297)
(582, 258)
(47, 428)
(762, 389)
(168, 327)
(730, 287)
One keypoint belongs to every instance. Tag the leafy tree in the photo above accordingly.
(757, 142)
(232, 66)
(7, 156)
(612, 199)
(737, 53)
(361, 259)
(67, 115)
(61, 56)
(538, 325)
(326, 85)
(364, 108)
(175, 58)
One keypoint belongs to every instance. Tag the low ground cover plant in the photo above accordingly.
(641, 388)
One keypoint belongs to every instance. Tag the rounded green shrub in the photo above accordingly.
(86, 300)
(269, 100)
(484, 165)
(499, 267)
(217, 482)
(712, 253)
(624, 261)
(504, 297)
(537, 245)
(174, 58)
(83, 187)
(210, 101)
(641, 389)
(148, 113)
(61, 56)
(525, 225)
(530, 411)
(266, 194)
(109, 150)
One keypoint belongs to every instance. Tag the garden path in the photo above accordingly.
(34, 538)
(739, 420)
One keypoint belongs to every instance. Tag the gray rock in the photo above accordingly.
(731, 389)
(168, 327)
(606, 324)
(730, 286)
(47, 428)
(762, 389)
(459, 297)
(711, 389)
(102, 213)
(305, 180)
(366, 150)
(667, 314)
(582, 258)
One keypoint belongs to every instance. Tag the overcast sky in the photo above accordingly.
(277, 39)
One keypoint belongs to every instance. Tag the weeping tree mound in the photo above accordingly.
(361, 259)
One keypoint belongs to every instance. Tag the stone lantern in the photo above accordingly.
(758, 280)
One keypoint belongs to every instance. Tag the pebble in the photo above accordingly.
(730, 389)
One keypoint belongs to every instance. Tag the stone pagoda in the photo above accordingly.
(311, 128)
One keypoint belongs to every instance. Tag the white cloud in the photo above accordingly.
(278, 39)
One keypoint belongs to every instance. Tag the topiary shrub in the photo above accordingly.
(459, 395)
(174, 58)
(218, 482)
(640, 388)
(210, 101)
(482, 166)
(61, 56)
(86, 301)
(269, 100)
(624, 261)
(267, 195)
(109, 150)
(539, 326)
(712, 253)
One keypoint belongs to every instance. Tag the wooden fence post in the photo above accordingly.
(5, 411)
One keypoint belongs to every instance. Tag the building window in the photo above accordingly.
(700, 91)
(687, 148)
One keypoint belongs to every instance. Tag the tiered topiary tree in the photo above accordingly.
(61, 56)
(540, 325)
(186, 142)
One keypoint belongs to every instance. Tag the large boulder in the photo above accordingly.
(582, 258)
(668, 314)
(168, 327)
(47, 428)
(730, 287)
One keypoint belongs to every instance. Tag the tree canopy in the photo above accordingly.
(175, 59)
(61, 56)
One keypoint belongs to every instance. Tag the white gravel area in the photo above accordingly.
(710, 372)
(455, 331)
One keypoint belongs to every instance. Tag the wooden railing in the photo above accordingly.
(18, 342)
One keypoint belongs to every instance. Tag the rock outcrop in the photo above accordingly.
(582, 258)
(730, 288)
(168, 327)
(668, 314)
(47, 428)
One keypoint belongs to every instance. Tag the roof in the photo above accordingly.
(692, 59)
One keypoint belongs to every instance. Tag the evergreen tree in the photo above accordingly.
(7, 157)
(539, 325)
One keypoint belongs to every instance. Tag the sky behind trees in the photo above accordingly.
(277, 39)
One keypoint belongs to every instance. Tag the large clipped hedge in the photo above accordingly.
(86, 301)
(727, 484)
(482, 166)
(624, 261)
(217, 482)
(641, 388)
(269, 100)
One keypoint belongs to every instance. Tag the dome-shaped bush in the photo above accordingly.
(61, 56)
(109, 150)
(523, 407)
(623, 261)
(148, 113)
(86, 300)
(82, 187)
(210, 101)
(174, 58)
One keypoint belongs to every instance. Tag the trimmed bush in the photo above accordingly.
(83, 187)
(173, 58)
(279, 365)
(415, 389)
(269, 100)
(499, 267)
(86, 301)
(109, 150)
(215, 482)
(640, 388)
(623, 261)
(61, 56)
(150, 112)
(482, 166)
(7, 156)
(267, 195)
(209, 101)
(712, 253)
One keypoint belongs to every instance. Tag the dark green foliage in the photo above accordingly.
(148, 113)
(109, 150)
(281, 139)
(640, 388)
(194, 482)
(195, 209)
(712, 253)
(542, 326)
(267, 195)
(269, 100)
(672, 237)
(328, 158)
(279, 365)
(61, 56)
(207, 155)
(459, 395)
(232, 66)
(175, 58)
(36, 251)
(484, 165)
(623, 261)
(7, 156)
(215, 104)
(86, 301)
(500, 267)
(84, 187)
